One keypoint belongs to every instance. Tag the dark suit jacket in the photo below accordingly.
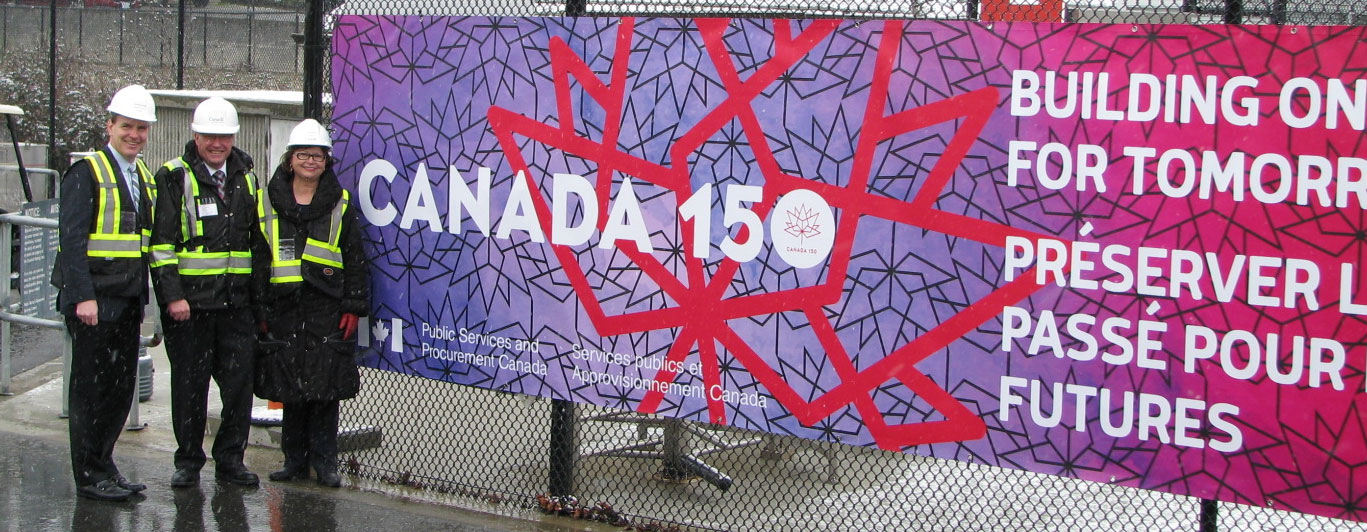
(119, 286)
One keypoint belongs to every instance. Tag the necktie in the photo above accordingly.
(134, 191)
(217, 178)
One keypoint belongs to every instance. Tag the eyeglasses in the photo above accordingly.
(302, 156)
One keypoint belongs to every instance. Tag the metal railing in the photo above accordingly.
(8, 317)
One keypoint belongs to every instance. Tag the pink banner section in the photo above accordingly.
(1129, 254)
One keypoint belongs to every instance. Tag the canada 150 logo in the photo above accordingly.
(803, 228)
(801, 225)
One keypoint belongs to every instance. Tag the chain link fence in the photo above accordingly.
(660, 473)
(226, 39)
(99, 49)
(485, 446)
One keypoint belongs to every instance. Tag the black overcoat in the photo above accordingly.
(303, 357)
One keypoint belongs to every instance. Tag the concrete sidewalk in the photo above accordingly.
(31, 423)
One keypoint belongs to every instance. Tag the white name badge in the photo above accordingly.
(208, 209)
(287, 249)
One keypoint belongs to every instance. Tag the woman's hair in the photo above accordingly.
(289, 154)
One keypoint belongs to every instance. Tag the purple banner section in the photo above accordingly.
(1129, 254)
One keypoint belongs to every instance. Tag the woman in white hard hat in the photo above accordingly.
(319, 289)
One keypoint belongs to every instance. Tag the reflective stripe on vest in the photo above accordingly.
(196, 261)
(109, 239)
(327, 253)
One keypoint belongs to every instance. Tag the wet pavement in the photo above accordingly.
(33, 346)
(37, 495)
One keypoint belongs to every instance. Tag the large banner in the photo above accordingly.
(1130, 254)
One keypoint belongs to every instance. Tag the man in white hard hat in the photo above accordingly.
(101, 274)
(209, 268)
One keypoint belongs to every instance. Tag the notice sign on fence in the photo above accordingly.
(38, 252)
(1130, 254)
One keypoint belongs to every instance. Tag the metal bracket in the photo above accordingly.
(674, 447)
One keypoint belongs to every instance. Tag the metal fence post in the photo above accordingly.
(296, 48)
(1210, 510)
(6, 366)
(314, 49)
(52, 86)
(134, 420)
(66, 375)
(251, 21)
(121, 39)
(6, 369)
(674, 446)
(1234, 11)
(180, 46)
(563, 448)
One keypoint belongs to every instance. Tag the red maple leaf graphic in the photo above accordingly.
(801, 223)
(701, 313)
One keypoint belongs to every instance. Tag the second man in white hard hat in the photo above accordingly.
(210, 268)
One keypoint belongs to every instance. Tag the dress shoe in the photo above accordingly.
(290, 473)
(134, 487)
(329, 479)
(104, 490)
(184, 478)
(239, 476)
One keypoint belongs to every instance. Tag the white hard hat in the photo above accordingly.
(134, 102)
(215, 116)
(310, 133)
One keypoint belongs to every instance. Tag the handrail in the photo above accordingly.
(44, 171)
(31, 320)
(7, 316)
(20, 219)
(21, 319)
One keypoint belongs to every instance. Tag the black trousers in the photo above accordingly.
(308, 435)
(213, 343)
(104, 361)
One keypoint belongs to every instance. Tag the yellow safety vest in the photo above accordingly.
(196, 261)
(325, 253)
(110, 239)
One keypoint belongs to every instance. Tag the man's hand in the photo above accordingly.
(88, 312)
(348, 325)
(179, 310)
